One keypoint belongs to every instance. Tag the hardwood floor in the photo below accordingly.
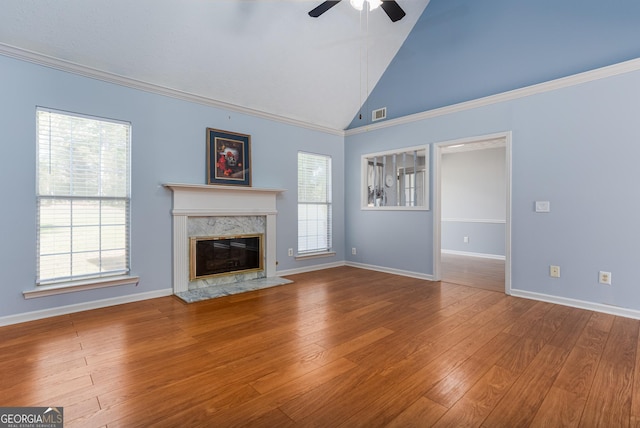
(340, 347)
(473, 271)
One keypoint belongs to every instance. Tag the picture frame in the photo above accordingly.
(228, 158)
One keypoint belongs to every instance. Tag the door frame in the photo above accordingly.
(437, 201)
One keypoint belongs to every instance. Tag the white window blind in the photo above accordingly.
(314, 203)
(83, 197)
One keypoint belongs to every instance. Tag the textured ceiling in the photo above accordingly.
(268, 56)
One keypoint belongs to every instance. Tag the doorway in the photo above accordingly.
(477, 246)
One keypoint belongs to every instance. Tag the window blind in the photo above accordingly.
(314, 203)
(83, 196)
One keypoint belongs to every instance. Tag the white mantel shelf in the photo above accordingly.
(205, 200)
(215, 188)
(201, 200)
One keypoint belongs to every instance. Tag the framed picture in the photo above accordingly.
(228, 158)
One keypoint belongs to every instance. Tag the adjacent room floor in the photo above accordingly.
(478, 272)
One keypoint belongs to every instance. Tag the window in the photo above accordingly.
(314, 203)
(396, 180)
(83, 197)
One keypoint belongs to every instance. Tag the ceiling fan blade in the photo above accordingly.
(393, 10)
(324, 6)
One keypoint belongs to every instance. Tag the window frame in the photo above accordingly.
(376, 172)
(324, 250)
(47, 285)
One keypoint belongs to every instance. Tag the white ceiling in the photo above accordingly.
(268, 56)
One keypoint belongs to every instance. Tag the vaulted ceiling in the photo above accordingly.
(269, 56)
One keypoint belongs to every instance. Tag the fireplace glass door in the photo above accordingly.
(212, 256)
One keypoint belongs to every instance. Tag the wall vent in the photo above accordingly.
(379, 114)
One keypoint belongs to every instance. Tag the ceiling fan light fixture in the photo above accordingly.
(390, 7)
(374, 4)
(357, 4)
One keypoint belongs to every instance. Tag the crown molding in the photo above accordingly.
(552, 85)
(92, 73)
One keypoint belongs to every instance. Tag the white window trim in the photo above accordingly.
(363, 180)
(318, 253)
(73, 286)
(48, 288)
(315, 255)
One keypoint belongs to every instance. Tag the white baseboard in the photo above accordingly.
(96, 304)
(392, 270)
(309, 268)
(470, 254)
(356, 265)
(580, 304)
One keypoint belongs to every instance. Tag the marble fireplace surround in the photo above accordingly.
(196, 200)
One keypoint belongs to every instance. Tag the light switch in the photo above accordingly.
(543, 206)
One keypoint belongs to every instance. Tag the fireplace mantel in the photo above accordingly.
(215, 188)
(197, 200)
(200, 199)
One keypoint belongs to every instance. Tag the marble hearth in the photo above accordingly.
(209, 210)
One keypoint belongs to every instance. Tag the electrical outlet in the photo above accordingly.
(465, 239)
(543, 206)
(604, 277)
(554, 271)
(353, 251)
(290, 252)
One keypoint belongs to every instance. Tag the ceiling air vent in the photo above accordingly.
(379, 114)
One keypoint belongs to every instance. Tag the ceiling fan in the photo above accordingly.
(391, 7)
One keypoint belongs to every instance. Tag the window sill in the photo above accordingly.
(70, 287)
(315, 255)
(394, 208)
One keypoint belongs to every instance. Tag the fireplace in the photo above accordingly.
(221, 211)
(224, 255)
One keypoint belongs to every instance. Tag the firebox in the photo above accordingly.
(225, 255)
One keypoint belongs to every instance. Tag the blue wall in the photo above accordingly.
(485, 238)
(460, 50)
(577, 147)
(399, 240)
(168, 146)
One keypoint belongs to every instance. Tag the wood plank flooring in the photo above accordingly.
(340, 347)
(473, 271)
